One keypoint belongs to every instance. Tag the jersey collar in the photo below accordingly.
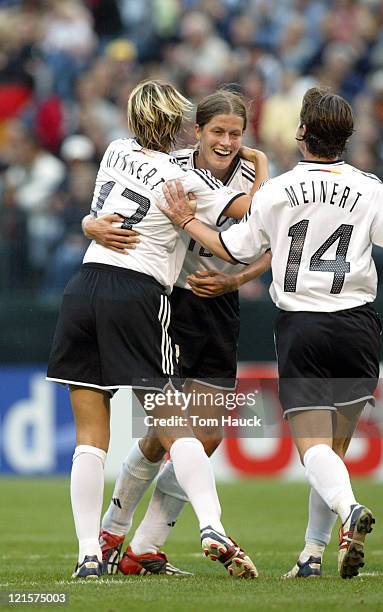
(338, 162)
(229, 178)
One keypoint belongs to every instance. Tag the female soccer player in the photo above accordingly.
(320, 219)
(206, 332)
(112, 330)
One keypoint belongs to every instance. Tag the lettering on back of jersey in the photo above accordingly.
(322, 192)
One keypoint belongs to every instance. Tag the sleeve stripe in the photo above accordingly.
(247, 169)
(222, 217)
(248, 177)
(228, 252)
(211, 177)
(205, 179)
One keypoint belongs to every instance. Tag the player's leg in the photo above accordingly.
(91, 413)
(168, 499)
(207, 333)
(194, 474)
(312, 432)
(360, 520)
(321, 519)
(328, 475)
(137, 472)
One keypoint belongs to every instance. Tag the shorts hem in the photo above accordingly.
(354, 401)
(110, 388)
(302, 408)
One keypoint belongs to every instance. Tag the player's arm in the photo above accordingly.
(212, 283)
(180, 210)
(261, 165)
(102, 230)
(239, 207)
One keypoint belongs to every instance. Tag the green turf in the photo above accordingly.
(38, 553)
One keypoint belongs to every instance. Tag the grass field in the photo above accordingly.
(38, 554)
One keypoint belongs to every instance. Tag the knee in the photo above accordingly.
(93, 437)
(340, 448)
(211, 444)
(152, 448)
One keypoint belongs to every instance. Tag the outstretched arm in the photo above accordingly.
(180, 210)
(102, 230)
(211, 283)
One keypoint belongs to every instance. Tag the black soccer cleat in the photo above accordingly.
(89, 569)
(312, 568)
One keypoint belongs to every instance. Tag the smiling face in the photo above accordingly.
(219, 142)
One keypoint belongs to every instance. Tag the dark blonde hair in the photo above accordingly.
(221, 102)
(329, 122)
(155, 113)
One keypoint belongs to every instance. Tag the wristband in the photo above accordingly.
(185, 224)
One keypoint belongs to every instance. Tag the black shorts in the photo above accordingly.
(112, 331)
(327, 360)
(206, 331)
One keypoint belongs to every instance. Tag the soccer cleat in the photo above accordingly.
(111, 545)
(312, 568)
(351, 540)
(148, 563)
(89, 569)
(221, 548)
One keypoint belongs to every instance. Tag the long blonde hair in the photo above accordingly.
(155, 113)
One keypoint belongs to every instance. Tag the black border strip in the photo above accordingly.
(219, 221)
(228, 252)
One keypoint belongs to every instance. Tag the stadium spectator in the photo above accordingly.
(70, 204)
(32, 177)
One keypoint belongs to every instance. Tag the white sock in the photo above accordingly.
(166, 504)
(320, 525)
(86, 490)
(328, 475)
(135, 477)
(311, 549)
(194, 473)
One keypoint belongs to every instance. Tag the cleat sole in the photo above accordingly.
(354, 557)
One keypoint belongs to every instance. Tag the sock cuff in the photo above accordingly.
(89, 450)
(183, 442)
(314, 451)
(139, 466)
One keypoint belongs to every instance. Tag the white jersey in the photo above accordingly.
(129, 182)
(320, 221)
(197, 257)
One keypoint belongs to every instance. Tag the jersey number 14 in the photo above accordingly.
(338, 266)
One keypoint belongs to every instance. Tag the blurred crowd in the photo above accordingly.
(67, 68)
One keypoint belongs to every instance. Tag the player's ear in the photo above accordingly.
(301, 132)
(197, 131)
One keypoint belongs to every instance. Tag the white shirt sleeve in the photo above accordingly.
(247, 240)
(376, 231)
(212, 195)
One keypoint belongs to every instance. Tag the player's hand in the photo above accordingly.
(180, 206)
(108, 235)
(209, 284)
(252, 155)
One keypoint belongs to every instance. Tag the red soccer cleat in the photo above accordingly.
(111, 545)
(149, 563)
